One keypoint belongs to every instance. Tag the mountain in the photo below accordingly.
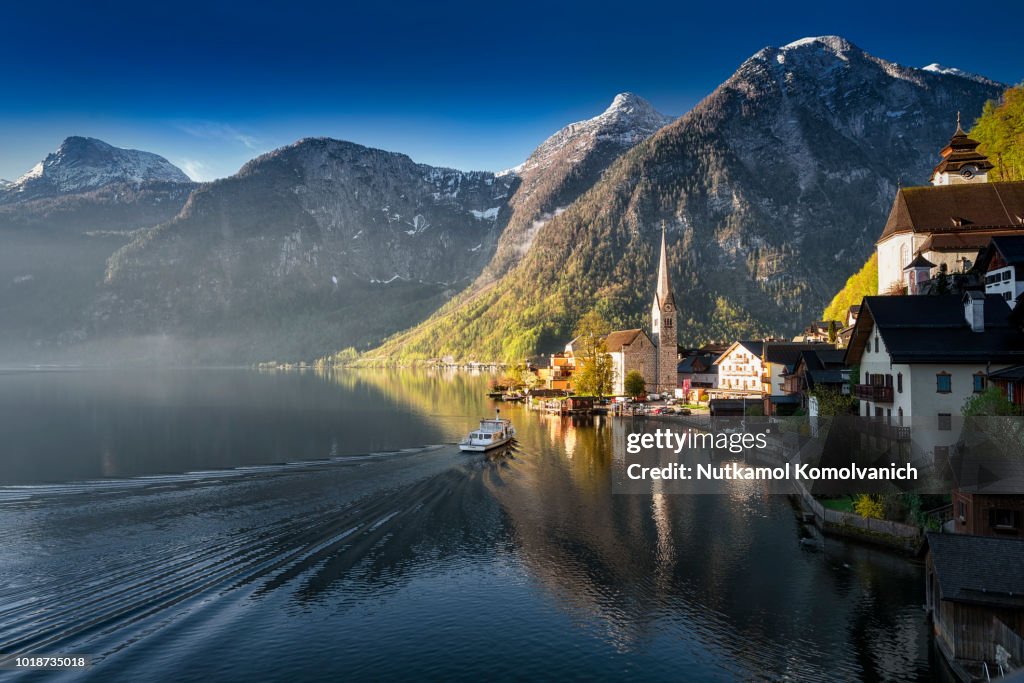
(59, 224)
(84, 164)
(319, 243)
(774, 189)
(566, 165)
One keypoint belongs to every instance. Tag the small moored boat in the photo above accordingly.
(491, 433)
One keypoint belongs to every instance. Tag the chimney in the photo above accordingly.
(974, 310)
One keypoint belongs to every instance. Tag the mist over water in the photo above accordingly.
(232, 525)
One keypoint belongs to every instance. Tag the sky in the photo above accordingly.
(470, 85)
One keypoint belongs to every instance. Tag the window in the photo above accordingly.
(876, 343)
(899, 382)
(1008, 295)
(943, 383)
(945, 422)
(979, 383)
(1003, 519)
(962, 511)
(901, 416)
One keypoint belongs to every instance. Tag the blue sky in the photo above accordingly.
(473, 85)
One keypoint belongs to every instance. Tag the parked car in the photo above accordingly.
(653, 397)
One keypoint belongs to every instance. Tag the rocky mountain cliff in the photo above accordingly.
(322, 242)
(774, 189)
(565, 166)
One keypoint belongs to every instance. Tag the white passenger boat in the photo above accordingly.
(491, 433)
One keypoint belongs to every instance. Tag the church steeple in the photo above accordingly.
(663, 326)
(664, 293)
(961, 161)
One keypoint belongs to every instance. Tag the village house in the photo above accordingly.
(740, 369)
(1011, 382)
(1002, 264)
(974, 591)
(817, 370)
(924, 356)
(697, 375)
(948, 223)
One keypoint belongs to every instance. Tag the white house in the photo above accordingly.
(921, 357)
(740, 369)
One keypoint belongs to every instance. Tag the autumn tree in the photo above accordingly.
(594, 373)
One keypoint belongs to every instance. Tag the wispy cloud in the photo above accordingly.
(213, 130)
(194, 169)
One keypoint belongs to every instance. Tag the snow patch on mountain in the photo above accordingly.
(953, 71)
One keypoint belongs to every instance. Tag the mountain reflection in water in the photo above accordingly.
(422, 562)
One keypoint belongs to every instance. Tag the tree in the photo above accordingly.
(832, 403)
(861, 284)
(594, 372)
(634, 384)
(990, 403)
(1000, 130)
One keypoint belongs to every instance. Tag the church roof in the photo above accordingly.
(619, 338)
(968, 207)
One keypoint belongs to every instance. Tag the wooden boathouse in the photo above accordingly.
(975, 593)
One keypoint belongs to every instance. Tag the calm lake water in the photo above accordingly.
(235, 525)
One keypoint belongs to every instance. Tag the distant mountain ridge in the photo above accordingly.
(318, 242)
(773, 188)
(82, 164)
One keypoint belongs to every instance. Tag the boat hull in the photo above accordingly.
(479, 448)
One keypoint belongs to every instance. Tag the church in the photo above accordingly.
(654, 355)
(946, 224)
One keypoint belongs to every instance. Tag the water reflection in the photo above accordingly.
(521, 563)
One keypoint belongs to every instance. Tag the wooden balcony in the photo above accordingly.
(873, 392)
(882, 429)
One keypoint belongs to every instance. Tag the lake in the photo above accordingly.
(200, 525)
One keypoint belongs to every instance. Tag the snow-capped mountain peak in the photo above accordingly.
(628, 120)
(81, 164)
(835, 44)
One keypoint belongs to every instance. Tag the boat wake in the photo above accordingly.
(101, 567)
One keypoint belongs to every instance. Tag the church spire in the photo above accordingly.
(664, 287)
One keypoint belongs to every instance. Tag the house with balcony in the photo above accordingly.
(1001, 263)
(921, 357)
